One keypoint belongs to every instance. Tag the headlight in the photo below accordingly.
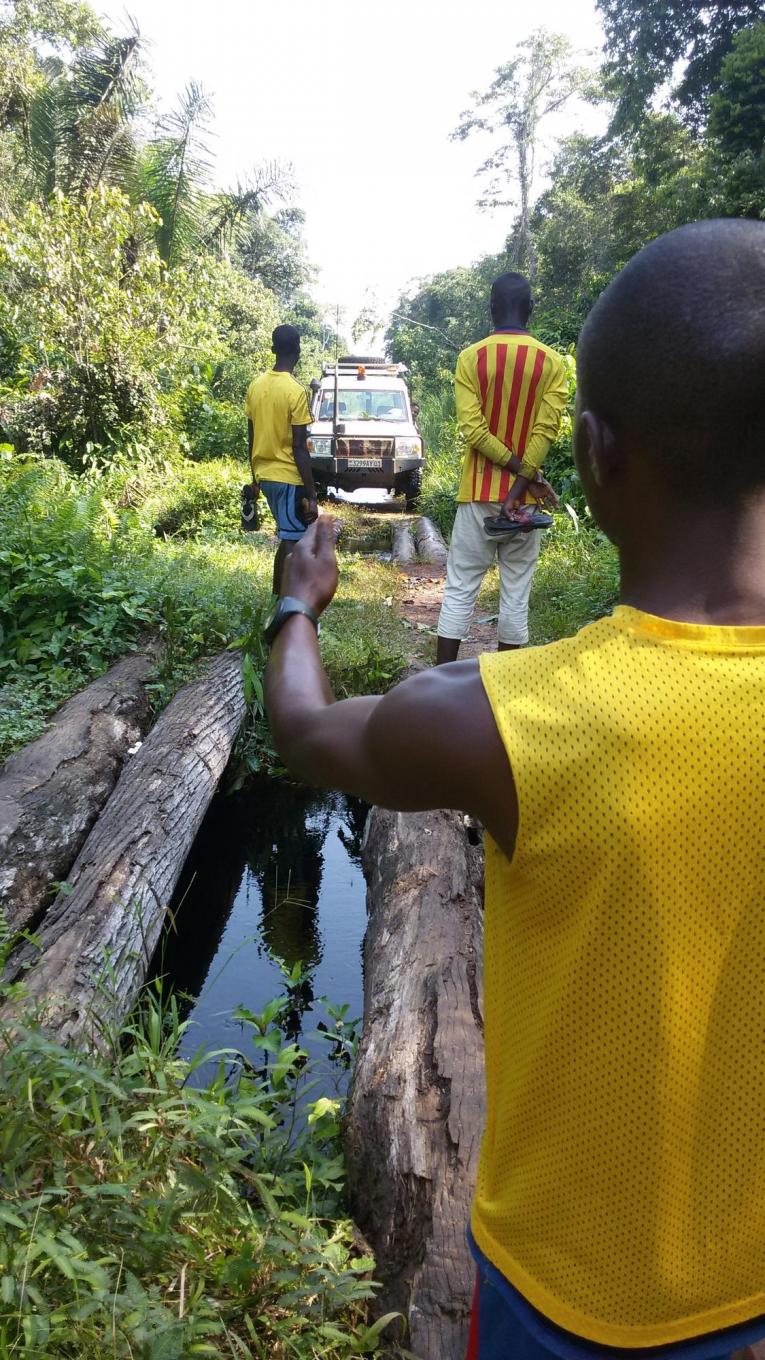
(320, 447)
(409, 448)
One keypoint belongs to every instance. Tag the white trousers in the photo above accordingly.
(471, 553)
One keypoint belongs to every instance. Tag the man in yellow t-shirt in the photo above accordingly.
(277, 423)
(620, 774)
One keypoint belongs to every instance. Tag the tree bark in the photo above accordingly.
(404, 550)
(416, 1104)
(96, 941)
(430, 544)
(52, 791)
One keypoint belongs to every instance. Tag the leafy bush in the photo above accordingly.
(214, 429)
(150, 1210)
(84, 579)
(85, 335)
(191, 499)
(105, 352)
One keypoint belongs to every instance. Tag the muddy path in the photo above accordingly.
(419, 603)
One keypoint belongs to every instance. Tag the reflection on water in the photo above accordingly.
(274, 881)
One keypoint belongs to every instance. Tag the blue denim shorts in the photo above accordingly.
(284, 502)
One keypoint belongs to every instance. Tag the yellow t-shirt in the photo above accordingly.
(621, 1187)
(275, 402)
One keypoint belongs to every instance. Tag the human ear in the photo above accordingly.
(595, 447)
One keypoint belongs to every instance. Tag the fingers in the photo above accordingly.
(308, 541)
(324, 535)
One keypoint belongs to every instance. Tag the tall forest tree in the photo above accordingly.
(539, 81)
(646, 39)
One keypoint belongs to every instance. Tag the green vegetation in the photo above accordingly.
(90, 567)
(153, 1207)
(576, 581)
(668, 156)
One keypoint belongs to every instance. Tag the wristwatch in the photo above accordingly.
(284, 609)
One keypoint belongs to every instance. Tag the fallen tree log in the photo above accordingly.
(416, 1104)
(97, 939)
(404, 550)
(52, 791)
(430, 545)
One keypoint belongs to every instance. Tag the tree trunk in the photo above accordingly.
(430, 544)
(404, 550)
(416, 1105)
(52, 791)
(96, 941)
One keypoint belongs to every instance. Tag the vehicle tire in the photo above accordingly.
(321, 488)
(411, 485)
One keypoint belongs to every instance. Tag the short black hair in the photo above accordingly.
(285, 341)
(511, 293)
(672, 357)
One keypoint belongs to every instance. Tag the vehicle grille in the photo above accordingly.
(365, 448)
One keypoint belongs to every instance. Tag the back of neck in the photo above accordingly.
(698, 566)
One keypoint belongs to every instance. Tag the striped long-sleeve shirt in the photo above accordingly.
(511, 392)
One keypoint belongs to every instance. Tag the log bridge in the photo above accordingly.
(117, 817)
(415, 1109)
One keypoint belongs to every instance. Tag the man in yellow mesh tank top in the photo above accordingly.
(620, 1205)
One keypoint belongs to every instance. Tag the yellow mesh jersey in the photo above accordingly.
(275, 402)
(510, 392)
(622, 1180)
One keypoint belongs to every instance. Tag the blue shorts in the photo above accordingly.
(284, 503)
(503, 1324)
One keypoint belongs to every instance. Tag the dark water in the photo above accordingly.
(274, 878)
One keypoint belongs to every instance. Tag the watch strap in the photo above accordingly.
(287, 606)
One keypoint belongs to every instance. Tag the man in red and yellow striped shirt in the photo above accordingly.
(511, 392)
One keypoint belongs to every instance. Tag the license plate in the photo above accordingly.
(364, 463)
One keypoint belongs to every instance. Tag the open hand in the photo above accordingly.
(310, 571)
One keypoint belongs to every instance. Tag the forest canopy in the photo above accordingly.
(138, 299)
(683, 139)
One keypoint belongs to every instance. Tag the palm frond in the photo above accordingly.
(175, 172)
(230, 214)
(79, 127)
(103, 94)
(43, 138)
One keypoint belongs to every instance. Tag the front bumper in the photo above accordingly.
(383, 471)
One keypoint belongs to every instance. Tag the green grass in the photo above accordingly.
(576, 581)
(441, 478)
(89, 570)
(146, 1214)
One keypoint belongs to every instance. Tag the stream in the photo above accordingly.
(274, 879)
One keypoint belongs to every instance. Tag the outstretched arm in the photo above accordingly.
(430, 742)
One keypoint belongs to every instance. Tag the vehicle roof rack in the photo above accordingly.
(374, 365)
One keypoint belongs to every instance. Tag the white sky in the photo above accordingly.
(361, 98)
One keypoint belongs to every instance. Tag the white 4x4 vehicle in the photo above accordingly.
(363, 431)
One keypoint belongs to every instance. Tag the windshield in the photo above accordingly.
(361, 403)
